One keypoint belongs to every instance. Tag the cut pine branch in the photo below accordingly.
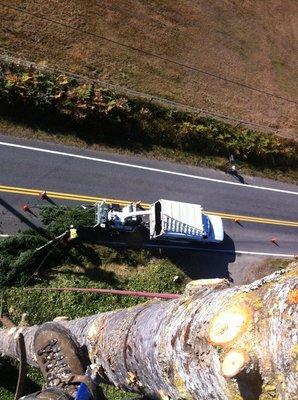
(214, 342)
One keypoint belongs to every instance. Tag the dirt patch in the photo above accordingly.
(248, 269)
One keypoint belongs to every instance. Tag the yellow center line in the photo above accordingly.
(93, 199)
(247, 218)
(60, 195)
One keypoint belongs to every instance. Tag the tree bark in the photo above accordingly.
(215, 342)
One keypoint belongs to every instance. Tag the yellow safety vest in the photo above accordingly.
(73, 233)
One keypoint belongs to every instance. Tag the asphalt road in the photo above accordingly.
(127, 177)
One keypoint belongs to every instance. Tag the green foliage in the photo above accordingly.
(17, 258)
(57, 219)
(98, 114)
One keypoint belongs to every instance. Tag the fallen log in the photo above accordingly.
(215, 342)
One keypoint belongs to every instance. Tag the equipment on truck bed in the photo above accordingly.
(165, 219)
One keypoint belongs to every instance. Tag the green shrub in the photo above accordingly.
(98, 114)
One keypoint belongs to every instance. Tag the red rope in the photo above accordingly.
(113, 291)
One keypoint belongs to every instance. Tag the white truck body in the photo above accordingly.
(166, 219)
(177, 220)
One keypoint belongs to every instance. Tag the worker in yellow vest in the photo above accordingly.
(73, 234)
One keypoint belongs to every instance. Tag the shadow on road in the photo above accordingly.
(22, 218)
(237, 176)
(205, 263)
(49, 200)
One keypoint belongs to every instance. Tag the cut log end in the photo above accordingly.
(199, 285)
(234, 362)
(228, 324)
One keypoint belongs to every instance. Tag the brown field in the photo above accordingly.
(252, 42)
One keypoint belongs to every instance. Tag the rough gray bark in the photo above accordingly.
(215, 342)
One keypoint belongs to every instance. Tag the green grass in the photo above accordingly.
(156, 276)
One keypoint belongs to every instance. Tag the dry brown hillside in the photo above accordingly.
(252, 42)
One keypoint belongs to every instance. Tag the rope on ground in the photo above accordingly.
(132, 293)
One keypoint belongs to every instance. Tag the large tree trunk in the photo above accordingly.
(214, 342)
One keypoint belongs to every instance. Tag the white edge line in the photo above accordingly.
(207, 250)
(145, 168)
